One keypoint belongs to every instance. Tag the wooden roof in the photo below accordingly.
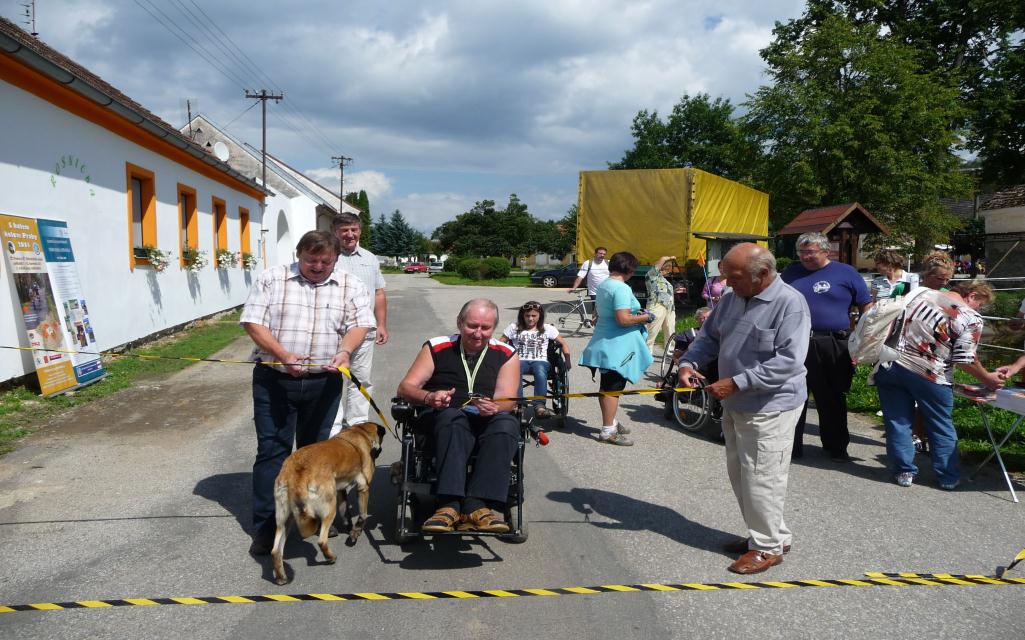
(1006, 199)
(825, 219)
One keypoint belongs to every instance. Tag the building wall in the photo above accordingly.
(1005, 257)
(89, 193)
(1010, 220)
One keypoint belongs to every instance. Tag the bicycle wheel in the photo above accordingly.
(667, 355)
(691, 409)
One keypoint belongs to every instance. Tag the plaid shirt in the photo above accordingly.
(307, 319)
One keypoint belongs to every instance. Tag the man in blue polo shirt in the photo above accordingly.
(831, 289)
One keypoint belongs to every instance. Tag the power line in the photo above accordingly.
(225, 73)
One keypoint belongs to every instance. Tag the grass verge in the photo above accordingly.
(456, 279)
(22, 410)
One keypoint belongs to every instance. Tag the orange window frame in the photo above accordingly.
(188, 219)
(245, 245)
(147, 181)
(220, 209)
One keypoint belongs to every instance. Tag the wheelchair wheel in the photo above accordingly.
(691, 409)
(667, 355)
(560, 404)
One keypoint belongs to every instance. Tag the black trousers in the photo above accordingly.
(455, 434)
(830, 374)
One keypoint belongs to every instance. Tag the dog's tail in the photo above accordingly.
(306, 519)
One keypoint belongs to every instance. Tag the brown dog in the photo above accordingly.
(307, 490)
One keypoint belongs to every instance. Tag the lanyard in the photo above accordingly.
(470, 377)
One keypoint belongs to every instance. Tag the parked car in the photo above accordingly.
(558, 277)
(415, 267)
(435, 267)
(565, 276)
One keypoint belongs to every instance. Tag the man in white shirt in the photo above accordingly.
(363, 264)
(595, 270)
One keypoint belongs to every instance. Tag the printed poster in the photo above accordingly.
(43, 269)
(67, 291)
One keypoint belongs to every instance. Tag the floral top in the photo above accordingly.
(660, 290)
(938, 332)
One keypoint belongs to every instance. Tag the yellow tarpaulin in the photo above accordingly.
(652, 212)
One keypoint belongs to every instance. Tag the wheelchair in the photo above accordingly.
(695, 410)
(558, 383)
(415, 476)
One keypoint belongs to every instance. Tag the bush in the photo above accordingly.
(782, 262)
(497, 268)
(483, 268)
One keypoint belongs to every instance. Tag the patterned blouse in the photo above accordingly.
(938, 332)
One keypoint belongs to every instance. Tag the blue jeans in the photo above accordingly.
(286, 410)
(539, 369)
(899, 389)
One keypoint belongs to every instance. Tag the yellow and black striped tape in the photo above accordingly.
(887, 580)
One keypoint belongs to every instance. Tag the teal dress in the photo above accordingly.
(613, 347)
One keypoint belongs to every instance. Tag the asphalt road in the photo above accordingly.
(146, 495)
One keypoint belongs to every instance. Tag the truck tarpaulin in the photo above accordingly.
(653, 212)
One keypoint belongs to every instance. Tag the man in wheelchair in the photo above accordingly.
(457, 378)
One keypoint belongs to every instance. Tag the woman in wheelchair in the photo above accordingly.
(457, 377)
(530, 336)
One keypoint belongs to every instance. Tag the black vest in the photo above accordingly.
(449, 372)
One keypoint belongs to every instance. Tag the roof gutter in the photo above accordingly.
(59, 74)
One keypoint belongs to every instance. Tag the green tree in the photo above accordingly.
(406, 240)
(700, 132)
(384, 243)
(853, 115)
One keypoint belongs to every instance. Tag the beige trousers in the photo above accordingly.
(665, 320)
(758, 462)
(354, 408)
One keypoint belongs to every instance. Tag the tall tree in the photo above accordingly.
(854, 116)
(700, 132)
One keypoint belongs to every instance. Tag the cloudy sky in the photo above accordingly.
(440, 104)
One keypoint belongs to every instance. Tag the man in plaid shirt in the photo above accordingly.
(306, 320)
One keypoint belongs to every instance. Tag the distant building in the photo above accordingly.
(296, 204)
(1004, 215)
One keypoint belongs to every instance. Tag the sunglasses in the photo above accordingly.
(531, 305)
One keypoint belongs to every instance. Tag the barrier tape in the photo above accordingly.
(872, 580)
(347, 373)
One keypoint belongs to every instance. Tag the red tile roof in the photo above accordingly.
(824, 219)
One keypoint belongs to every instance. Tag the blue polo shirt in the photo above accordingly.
(830, 291)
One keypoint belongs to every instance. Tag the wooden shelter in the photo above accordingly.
(843, 224)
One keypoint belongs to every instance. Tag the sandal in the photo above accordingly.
(484, 520)
(443, 521)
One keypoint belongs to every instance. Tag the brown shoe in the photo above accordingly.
(740, 546)
(443, 521)
(484, 520)
(755, 562)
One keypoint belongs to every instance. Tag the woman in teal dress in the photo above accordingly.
(617, 349)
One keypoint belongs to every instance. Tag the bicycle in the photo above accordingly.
(573, 315)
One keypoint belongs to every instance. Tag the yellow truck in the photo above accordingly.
(689, 213)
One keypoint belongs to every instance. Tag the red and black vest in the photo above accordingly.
(449, 372)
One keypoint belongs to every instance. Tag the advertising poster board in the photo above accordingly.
(71, 302)
(52, 305)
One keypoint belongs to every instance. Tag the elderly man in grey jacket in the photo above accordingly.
(759, 332)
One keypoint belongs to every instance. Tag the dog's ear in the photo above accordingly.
(381, 431)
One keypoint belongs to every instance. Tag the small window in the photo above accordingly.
(220, 225)
(142, 213)
(245, 245)
(188, 224)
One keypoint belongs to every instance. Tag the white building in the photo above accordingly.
(75, 149)
(296, 203)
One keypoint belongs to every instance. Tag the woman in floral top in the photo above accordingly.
(939, 331)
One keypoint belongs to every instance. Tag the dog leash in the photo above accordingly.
(354, 380)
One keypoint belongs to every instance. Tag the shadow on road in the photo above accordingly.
(623, 512)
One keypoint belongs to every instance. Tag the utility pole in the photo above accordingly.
(263, 97)
(341, 160)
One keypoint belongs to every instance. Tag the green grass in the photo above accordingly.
(22, 410)
(456, 279)
(973, 443)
